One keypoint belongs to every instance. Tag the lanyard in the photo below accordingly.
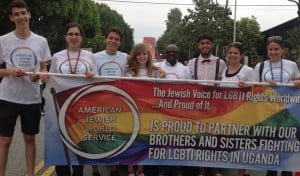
(69, 59)
(281, 72)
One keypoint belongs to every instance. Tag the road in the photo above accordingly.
(16, 161)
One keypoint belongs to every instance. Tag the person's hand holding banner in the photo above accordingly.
(17, 72)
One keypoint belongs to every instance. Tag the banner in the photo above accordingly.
(164, 123)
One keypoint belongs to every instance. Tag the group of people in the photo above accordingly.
(24, 51)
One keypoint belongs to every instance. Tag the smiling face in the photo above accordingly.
(73, 38)
(205, 47)
(172, 54)
(275, 51)
(20, 16)
(234, 56)
(142, 58)
(113, 42)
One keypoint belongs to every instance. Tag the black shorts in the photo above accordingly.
(30, 118)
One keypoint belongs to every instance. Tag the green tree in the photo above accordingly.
(293, 37)
(110, 18)
(206, 17)
(174, 18)
(50, 17)
(171, 33)
(248, 33)
(210, 17)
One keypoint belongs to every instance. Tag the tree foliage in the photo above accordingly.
(206, 17)
(293, 36)
(248, 32)
(209, 17)
(50, 17)
(109, 18)
(174, 18)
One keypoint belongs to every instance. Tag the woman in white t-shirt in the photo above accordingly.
(236, 71)
(140, 63)
(276, 69)
(73, 60)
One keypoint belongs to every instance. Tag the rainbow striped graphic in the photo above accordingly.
(150, 123)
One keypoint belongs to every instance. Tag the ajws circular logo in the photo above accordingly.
(24, 58)
(100, 121)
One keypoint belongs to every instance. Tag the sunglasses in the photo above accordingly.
(169, 52)
(274, 38)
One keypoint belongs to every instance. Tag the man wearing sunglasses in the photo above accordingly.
(173, 68)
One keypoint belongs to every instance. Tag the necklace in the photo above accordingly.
(69, 59)
(271, 69)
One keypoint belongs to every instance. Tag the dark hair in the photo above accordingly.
(17, 4)
(205, 36)
(71, 25)
(116, 30)
(236, 45)
(275, 39)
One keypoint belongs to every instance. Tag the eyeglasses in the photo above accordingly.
(72, 34)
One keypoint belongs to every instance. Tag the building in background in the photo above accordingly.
(151, 42)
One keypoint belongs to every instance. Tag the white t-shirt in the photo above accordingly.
(111, 65)
(286, 73)
(245, 73)
(143, 73)
(178, 71)
(61, 64)
(26, 54)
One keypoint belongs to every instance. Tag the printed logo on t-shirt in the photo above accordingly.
(111, 68)
(69, 68)
(172, 76)
(24, 58)
(286, 77)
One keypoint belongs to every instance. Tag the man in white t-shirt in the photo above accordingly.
(22, 51)
(111, 62)
(173, 68)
